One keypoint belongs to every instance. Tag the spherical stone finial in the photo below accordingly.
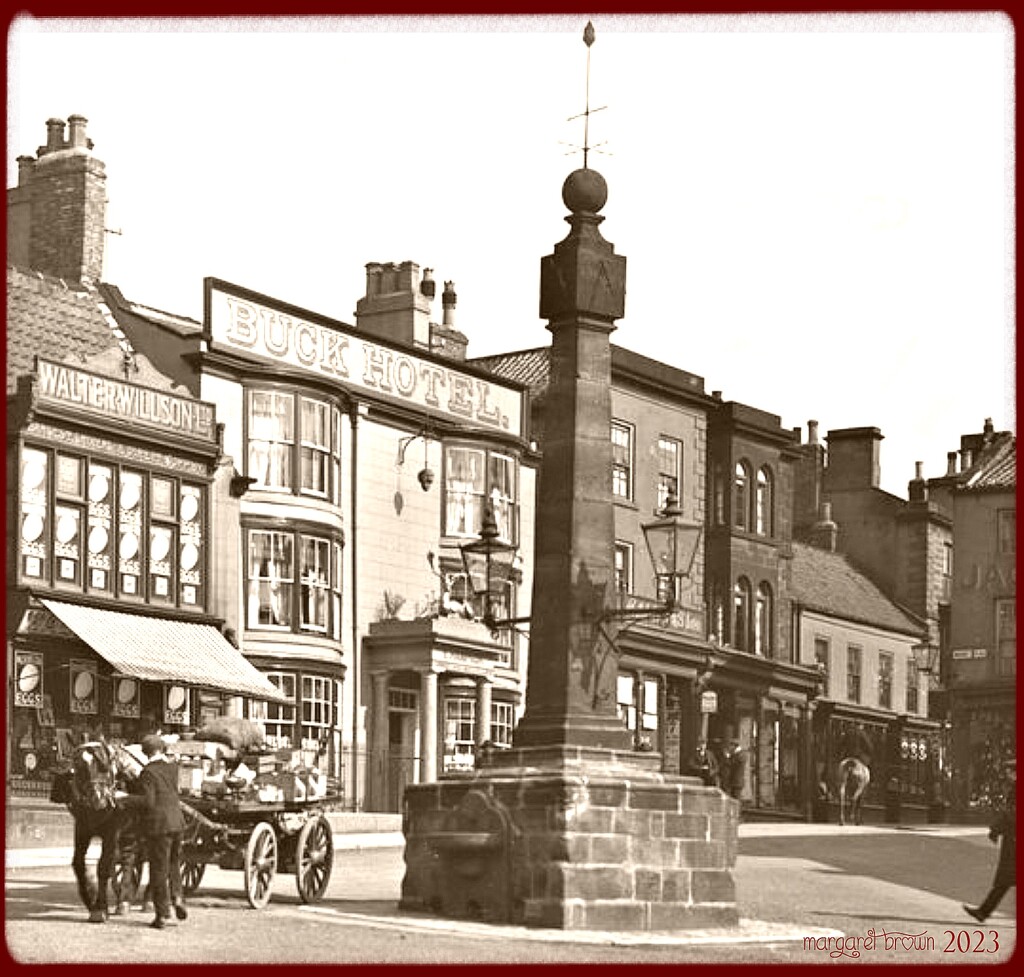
(584, 191)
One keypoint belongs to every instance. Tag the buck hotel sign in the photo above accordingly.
(67, 386)
(246, 324)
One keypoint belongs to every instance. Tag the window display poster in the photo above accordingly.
(83, 682)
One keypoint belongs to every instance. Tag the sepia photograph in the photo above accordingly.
(511, 489)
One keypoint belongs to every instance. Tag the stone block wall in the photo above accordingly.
(583, 851)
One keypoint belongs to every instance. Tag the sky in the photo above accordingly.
(816, 210)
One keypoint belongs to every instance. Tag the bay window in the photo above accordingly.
(294, 582)
(294, 444)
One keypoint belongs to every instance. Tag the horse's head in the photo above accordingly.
(95, 774)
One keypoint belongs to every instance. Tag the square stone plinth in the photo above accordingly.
(579, 843)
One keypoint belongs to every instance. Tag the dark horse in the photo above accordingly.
(87, 787)
(854, 777)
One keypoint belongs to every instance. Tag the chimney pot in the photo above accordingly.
(950, 462)
(966, 459)
(25, 164)
(448, 302)
(716, 394)
(427, 284)
(989, 429)
(919, 470)
(76, 126)
(812, 432)
(54, 135)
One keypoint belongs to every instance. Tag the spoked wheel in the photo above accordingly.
(260, 864)
(191, 874)
(314, 858)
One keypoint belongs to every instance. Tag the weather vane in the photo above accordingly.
(588, 39)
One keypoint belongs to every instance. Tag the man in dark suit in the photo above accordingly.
(155, 794)
(1003, 830)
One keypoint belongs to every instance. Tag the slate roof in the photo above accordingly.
(49, 318)
(997, 466)
(827, 582)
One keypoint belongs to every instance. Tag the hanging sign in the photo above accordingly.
(125, 697)
(28, 679)
(82, 687)
(176, 705)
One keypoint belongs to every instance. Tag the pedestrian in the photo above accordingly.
(155, 794)
(1003, 830)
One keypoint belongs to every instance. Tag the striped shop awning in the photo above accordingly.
(158, 649)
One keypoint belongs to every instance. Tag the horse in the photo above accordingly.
(854, 777)
(87, 788)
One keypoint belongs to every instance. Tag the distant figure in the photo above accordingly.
(1004, 830)
(854, 777)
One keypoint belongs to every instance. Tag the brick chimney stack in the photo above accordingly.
(825, 533)
(853, 459)
(397, 303)
(56, 216)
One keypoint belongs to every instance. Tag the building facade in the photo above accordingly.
(114, 606)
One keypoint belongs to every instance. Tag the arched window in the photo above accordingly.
(763, 625)
(741, 615)
(741, 496)
(764, 503)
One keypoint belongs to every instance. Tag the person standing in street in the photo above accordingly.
(154, 794)
(1003, 830)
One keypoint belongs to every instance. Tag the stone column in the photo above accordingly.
(379, 766)
(483, 710)
(570, 698)
(428, 727)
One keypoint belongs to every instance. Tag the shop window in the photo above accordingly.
(291, 585)
(110, 531)
(670, 455)
(625, 697)
(473, 477)
(459, 733)
(622, 460)
(763, 502)
(763, 621)
(885, 679)
(741, 615)
(853, 666)
(502, 723)
(294, 444)
(913, 680)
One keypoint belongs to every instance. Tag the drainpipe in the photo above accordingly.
(354, 589)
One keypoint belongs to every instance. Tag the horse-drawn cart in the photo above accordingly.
(259, 838)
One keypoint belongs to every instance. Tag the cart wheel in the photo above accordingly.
(314, 858)
(260, 864)
(191, 874)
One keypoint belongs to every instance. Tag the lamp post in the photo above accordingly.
(672, 544)
(488, 562)
(927, 658)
